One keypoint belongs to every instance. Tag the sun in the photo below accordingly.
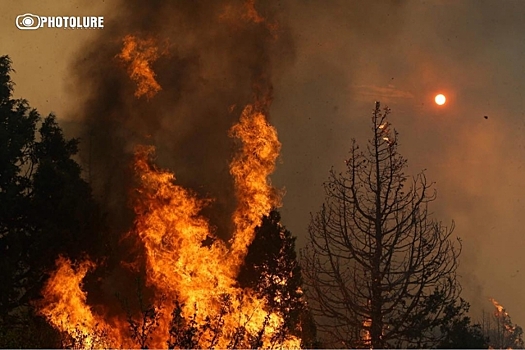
(440, 99)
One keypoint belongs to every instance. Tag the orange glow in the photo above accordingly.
(440, 99)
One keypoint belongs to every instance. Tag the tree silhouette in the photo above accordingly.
(271, 268)
(46, 208)
(380, 271)
(460, 333)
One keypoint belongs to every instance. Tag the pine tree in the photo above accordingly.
(272, 270)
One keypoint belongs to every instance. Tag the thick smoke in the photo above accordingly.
(214, 58)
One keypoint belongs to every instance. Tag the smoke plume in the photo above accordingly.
(209, 60)
(213, 58)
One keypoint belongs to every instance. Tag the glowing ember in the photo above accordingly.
(365, 334)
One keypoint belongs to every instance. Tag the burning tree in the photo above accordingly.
(271, 269)
(500, 330)
(380, 271)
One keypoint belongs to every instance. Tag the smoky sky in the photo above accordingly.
(331, 61)
(350, 54)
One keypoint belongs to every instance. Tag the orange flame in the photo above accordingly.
(500, 310)
(365, 334)
(182, 271)
(66, 309)
(250, 170)
(178, 265)
(139, 55)
(502, 314)
(251, 13)
(248, 13)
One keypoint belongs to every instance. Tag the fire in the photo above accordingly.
(248, 13)
(251, 12)
(65, 307)
(181, 270)
(250, 170)
(139, 55)
(500, 310)
(197, 300)
(365, 334)
(503, 315)
(178, 265)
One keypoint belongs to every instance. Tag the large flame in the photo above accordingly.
(179, 266)
(250, 170)
(193, 282)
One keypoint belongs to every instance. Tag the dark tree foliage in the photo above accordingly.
(46, 208)
(271, 269)
(462, 334)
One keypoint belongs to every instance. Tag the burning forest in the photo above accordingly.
(195, 99)
(195, 299)
(196, 281)
(159, 225)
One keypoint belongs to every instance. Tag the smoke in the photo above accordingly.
(403, 54)
(214, 58)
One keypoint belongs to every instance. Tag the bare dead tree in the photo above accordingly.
(379, 271)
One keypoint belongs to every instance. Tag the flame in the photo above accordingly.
(248, 13)
(502, 314)
(139, 54)
(250, 170)
(197, 279)
(365, 334)
(178, 265)
(251, 13)
(500, 310)
(66, 309)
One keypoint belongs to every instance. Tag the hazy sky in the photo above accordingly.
(347, 55)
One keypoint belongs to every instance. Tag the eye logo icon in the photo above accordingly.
(27, 21)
